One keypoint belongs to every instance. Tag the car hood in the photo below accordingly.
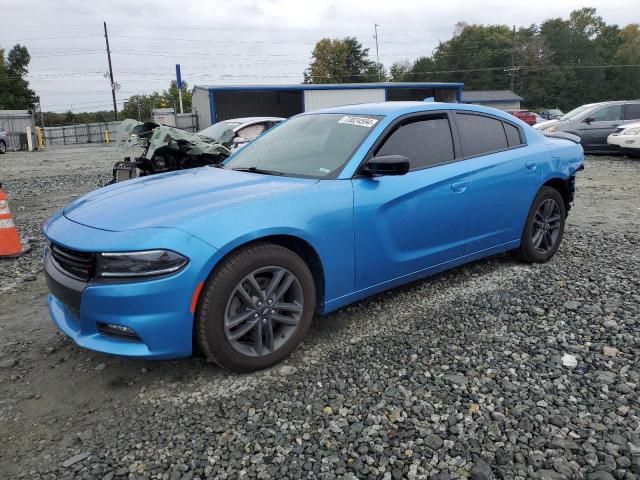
(168, 199)
(545, 124)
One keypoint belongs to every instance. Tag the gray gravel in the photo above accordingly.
(463, 375)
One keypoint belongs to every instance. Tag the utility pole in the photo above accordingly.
(375, 35)
(513, 58)
(113, 85)
(138, 101)
(512, 70)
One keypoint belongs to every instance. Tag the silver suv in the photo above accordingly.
(594, 122)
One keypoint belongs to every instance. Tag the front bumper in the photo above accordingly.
(157, 310)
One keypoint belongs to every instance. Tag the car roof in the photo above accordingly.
(611, 102)
(395, 109)
(253, 119)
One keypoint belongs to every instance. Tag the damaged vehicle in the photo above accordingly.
(165, 149)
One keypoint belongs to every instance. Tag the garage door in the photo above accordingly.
(314, 99)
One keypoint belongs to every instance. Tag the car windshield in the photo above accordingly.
(575, 112)
(312, 146)
(217, 130)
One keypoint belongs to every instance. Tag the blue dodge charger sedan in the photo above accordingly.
(325, 209)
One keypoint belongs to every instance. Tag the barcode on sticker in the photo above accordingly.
(359, 121)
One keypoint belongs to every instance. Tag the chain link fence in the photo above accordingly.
(79, 133)
(15, 123)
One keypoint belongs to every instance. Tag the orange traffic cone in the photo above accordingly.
(10, 245)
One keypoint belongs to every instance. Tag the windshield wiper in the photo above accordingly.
(257, 170)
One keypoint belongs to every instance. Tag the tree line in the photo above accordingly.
(560, 63)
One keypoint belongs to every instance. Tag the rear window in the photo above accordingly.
(480, 134)
(633, 111)
(513, 134)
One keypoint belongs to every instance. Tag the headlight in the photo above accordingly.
(139, 264)
(551, 129)
(632, 131)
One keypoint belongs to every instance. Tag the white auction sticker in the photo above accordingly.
(359, 121)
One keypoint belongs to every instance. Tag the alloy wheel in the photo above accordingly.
(263, 311)
(546, 225)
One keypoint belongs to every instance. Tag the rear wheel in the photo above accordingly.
(544, 228)
(256, 308)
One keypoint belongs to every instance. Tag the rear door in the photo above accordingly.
(604, 121)
(504, 176)
(408, 223)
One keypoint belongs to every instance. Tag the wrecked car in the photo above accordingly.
(165, 149)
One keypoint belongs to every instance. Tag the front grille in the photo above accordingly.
(79, 265)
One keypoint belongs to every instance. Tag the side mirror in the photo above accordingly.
(386, 165)
(589, 120)
(240, 140)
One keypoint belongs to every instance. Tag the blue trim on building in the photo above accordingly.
(336, 86)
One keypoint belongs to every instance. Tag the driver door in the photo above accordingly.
(602, 123)
(408, 223)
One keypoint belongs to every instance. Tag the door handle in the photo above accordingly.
(531, 165)
(459, 187)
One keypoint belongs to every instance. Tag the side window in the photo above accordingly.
(633, 111)
(513, 134)
(480, 134)
(424, 142)
(252, 131)
(608, 114)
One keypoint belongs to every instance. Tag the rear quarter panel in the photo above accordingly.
(565, 159)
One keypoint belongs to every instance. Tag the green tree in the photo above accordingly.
(342, 61)
(561, 62)
(166, 99)
(14, 88)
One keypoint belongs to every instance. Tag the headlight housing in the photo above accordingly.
(146, 263)
(632, 131)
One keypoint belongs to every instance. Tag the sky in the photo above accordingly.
(234, 41)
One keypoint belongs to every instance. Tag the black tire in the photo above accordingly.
(528, 252)
(3, 147)
(219, 291)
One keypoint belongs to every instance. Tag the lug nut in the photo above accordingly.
(255, 315)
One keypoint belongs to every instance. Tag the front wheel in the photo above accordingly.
(3, 147)
(544, 227)
(256, 308)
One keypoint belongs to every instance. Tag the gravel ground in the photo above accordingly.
(493, 370)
